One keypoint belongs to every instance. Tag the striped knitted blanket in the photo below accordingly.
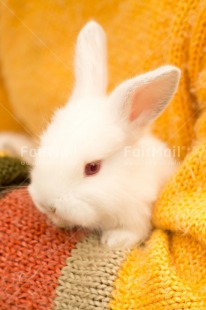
(44, 267)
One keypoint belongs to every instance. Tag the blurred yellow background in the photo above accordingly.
(37, 40)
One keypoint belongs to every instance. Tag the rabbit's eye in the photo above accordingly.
(92, 168)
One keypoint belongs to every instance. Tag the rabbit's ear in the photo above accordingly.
(140, 100)
(91, 61)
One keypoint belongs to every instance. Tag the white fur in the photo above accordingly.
(93, 126)
(90, 61)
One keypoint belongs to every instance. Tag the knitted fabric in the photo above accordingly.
(32, 253)
(12, 172)
(168, 272)
(38, 271)
(87, 280)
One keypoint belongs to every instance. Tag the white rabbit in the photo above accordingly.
(97, 166)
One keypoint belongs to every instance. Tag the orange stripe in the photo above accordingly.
(32, 253)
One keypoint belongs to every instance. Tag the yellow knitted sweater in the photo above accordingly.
(36, 55)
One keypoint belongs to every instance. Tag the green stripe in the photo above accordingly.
(12, 172)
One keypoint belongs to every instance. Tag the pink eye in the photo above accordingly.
(92, 168)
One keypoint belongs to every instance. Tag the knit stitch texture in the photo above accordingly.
(32, 253)
(12, 172)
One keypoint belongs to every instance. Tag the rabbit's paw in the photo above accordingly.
(120, 238)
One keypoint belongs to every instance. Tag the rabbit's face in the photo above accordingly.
(78, 165)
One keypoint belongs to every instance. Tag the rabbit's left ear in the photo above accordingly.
(140, 100)
(91, 62)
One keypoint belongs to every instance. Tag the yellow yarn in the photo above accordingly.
(169, 272)
(36, 54)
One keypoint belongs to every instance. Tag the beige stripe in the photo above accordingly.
(87, 280)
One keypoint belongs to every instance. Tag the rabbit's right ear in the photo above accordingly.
(140, 100)
(91, 62)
